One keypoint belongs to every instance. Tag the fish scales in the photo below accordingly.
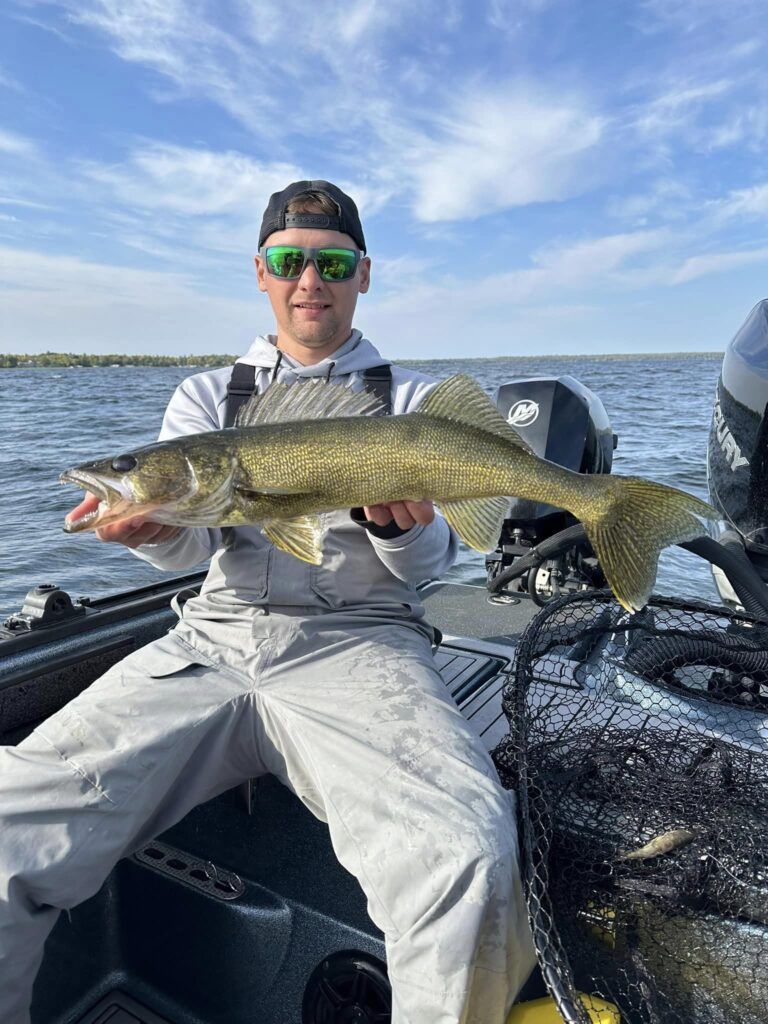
(394, 459)
(300, 451)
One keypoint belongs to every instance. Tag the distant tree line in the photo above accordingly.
(87, 359)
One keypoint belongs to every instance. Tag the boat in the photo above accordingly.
(240, 913)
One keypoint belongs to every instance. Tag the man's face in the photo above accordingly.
(314, 317)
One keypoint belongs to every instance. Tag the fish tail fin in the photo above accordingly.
(630, 523)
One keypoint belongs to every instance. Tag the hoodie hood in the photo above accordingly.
(355, 355)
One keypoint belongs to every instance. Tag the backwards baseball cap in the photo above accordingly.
(276, 219)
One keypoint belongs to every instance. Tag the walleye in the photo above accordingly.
(667, 842)
(299, 451)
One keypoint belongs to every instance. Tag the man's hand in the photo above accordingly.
(405, 513)
(131, 532)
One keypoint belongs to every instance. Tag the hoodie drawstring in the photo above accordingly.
(276, 367)
(328, 375)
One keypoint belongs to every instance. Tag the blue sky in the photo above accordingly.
(535, 176)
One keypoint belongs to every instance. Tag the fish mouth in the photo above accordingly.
(115, 501)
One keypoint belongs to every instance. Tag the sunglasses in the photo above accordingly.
(288, 262)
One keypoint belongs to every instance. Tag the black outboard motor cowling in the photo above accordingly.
(566, 423)
(737, 457)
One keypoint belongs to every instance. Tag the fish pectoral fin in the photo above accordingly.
(301, 536)
(477, 521)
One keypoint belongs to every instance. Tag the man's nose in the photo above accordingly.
(310, 279)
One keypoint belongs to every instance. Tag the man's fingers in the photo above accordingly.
(378, 514)
(421, 511)
(131, 532)
(151, 533)
(89, 504)
(124, 532)
(405, 513)
(401, 515)
(135, 532)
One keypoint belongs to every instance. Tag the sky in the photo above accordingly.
(534, 176)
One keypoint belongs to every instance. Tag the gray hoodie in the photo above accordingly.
(359, 571)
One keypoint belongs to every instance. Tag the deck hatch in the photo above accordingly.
(465, 672)
(119, 1008)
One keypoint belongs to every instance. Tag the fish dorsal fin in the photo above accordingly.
(314, 399)
(477, 521)
(462, 400)
(301, 536)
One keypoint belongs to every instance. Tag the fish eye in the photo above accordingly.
(124, 463)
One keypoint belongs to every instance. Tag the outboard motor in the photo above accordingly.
(737, 459)
(564, 422)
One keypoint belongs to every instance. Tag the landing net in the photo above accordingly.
(639, 748)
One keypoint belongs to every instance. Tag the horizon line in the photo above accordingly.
(29, 356)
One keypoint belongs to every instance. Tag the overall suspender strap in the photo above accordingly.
(378, 380)
(242, 384)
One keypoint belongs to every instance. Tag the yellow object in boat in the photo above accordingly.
(544, 1011)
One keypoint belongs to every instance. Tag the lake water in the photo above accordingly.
(51, 419)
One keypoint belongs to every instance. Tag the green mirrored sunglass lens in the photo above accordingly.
(336, 264)
(285, 261)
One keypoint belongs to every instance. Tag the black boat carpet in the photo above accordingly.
(118, 1008)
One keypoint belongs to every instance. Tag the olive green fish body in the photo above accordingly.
(397, 458)
(311, 448)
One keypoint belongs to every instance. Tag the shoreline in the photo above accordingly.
(66, 360)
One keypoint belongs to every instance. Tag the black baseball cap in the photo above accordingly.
(276, 219)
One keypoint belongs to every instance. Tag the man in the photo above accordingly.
(322, 676)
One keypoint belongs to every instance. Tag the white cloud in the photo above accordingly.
(595, 262)
(61, 275)
(202, 183)
(727, 134)
(598, 263)
(745, 202)
(287, 70)
(716, 263)
(359, 20)
(679, 106)
(499, 150)
(16, 145)
(687, 95)
(195, 182)
(9, 81)
(27, 203)
(149, 31)
(277, 53)
(597, 256)
(64, 303)
(209, 203)
(668, 198)
(509, 15)
(691, 16)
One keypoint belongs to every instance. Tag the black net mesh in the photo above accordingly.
(638, 744)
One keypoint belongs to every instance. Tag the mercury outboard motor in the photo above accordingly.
(737, 459)
(564, 422)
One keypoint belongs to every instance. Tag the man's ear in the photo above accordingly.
(260, 273)
(364, 273)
